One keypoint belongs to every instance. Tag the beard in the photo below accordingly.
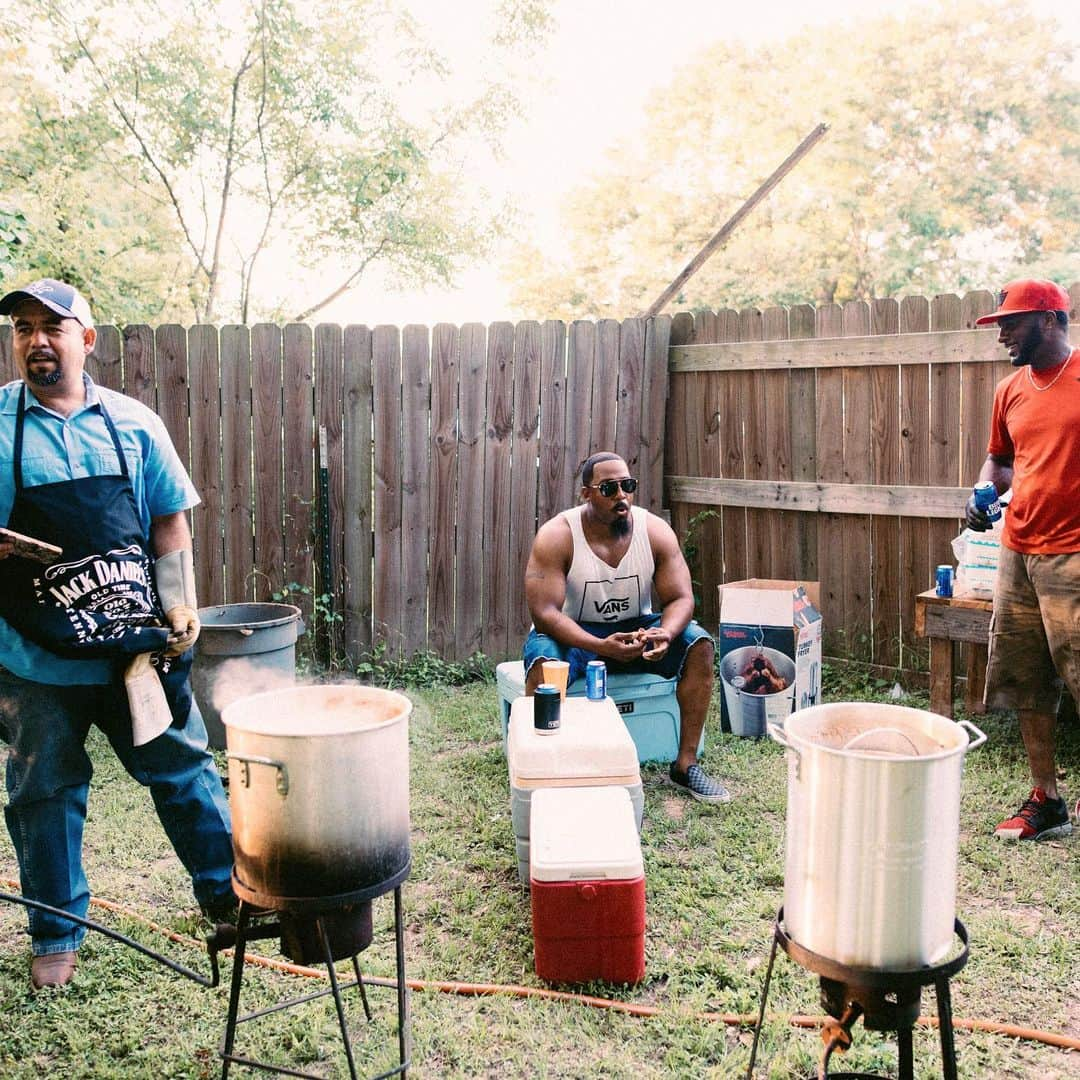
(50, 378)
(621, 526)
(1026, 351)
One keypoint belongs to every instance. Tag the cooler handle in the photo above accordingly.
(980, 736)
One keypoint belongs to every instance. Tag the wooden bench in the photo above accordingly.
(946, 620)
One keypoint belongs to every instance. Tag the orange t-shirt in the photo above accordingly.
(1040, 430)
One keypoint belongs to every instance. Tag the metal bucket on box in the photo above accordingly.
(242, 649)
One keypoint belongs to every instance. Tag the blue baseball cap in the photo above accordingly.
(57, 296)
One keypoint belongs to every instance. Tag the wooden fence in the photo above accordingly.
(403, 473)
(836, 444)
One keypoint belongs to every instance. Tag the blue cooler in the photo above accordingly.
(647, 704)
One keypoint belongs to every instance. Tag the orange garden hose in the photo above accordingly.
(465, 989)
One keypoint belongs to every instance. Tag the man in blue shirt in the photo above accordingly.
(95, 474)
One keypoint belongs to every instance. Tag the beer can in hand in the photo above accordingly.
(547, 702)
(986, 499)
(596, 680)
(943, 577)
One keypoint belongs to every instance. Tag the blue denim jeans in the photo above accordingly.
(48, 779)
(541, 647)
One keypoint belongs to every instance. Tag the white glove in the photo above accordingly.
(149, 709)
(174, 578)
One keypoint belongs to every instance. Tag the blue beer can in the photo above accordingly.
(596, 680)
(547, 702)
(943, 578)
(986, 499)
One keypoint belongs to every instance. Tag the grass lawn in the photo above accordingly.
(714, 880)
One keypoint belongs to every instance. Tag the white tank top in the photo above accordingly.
(597, 592)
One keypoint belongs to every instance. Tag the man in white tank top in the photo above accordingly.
(607, 580)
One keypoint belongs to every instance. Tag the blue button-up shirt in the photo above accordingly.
(59, 448)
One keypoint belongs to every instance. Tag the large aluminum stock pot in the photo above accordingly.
(873, 819)
(319, 791)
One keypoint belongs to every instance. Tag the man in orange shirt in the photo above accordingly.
(1034, 451)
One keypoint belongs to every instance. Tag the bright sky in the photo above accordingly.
(592, 79)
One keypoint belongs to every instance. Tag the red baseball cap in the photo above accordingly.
(1026, 295)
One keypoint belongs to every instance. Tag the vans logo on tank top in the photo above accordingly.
(609, 601)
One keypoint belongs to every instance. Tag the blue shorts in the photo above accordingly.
(669, 666)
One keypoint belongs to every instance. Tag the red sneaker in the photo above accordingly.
(1039, 818)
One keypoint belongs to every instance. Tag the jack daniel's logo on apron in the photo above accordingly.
(99, 599)
(102, 595)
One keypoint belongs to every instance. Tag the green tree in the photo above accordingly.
(309, 134)
(64, 215)
(952, 160)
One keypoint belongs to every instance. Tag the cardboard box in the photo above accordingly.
(770, 652)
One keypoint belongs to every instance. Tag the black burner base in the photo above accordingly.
(881, 1010)
(885, 1000)
(349, 931)
(316, 937)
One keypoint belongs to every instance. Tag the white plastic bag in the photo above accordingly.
(976, 556)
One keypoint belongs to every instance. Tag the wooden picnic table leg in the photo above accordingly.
(976, 679)
(941, 676)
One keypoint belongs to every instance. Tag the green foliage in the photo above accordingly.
(714, 881)
(952, 162)
(218, 137)
(424, 669)
(690, 542)
(856, 682)
(318, 651)
(320, 655)
(70, 211)
(13, 234)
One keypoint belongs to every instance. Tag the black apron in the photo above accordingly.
(98, 601)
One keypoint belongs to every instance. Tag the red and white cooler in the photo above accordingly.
(587, 884)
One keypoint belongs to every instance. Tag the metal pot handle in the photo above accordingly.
(776, 733)
(851, 743)
(247, 760)
(980, 737)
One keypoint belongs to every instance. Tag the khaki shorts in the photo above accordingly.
(1034, 631)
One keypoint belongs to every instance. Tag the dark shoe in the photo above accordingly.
(699, 784)
(1039, 818)
(222, 910)
(52, 969)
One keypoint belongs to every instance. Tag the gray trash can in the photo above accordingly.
(242, 649)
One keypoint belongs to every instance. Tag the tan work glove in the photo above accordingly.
(150, 714)
(174, 578)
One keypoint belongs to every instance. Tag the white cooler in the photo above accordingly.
(592, 748)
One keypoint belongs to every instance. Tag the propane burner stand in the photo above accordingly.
(315, 930)
(886, 1000)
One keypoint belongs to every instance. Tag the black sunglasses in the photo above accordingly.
(608, 488)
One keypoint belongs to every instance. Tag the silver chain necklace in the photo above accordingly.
(1031, 378)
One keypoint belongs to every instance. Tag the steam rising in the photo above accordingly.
(240, 677)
